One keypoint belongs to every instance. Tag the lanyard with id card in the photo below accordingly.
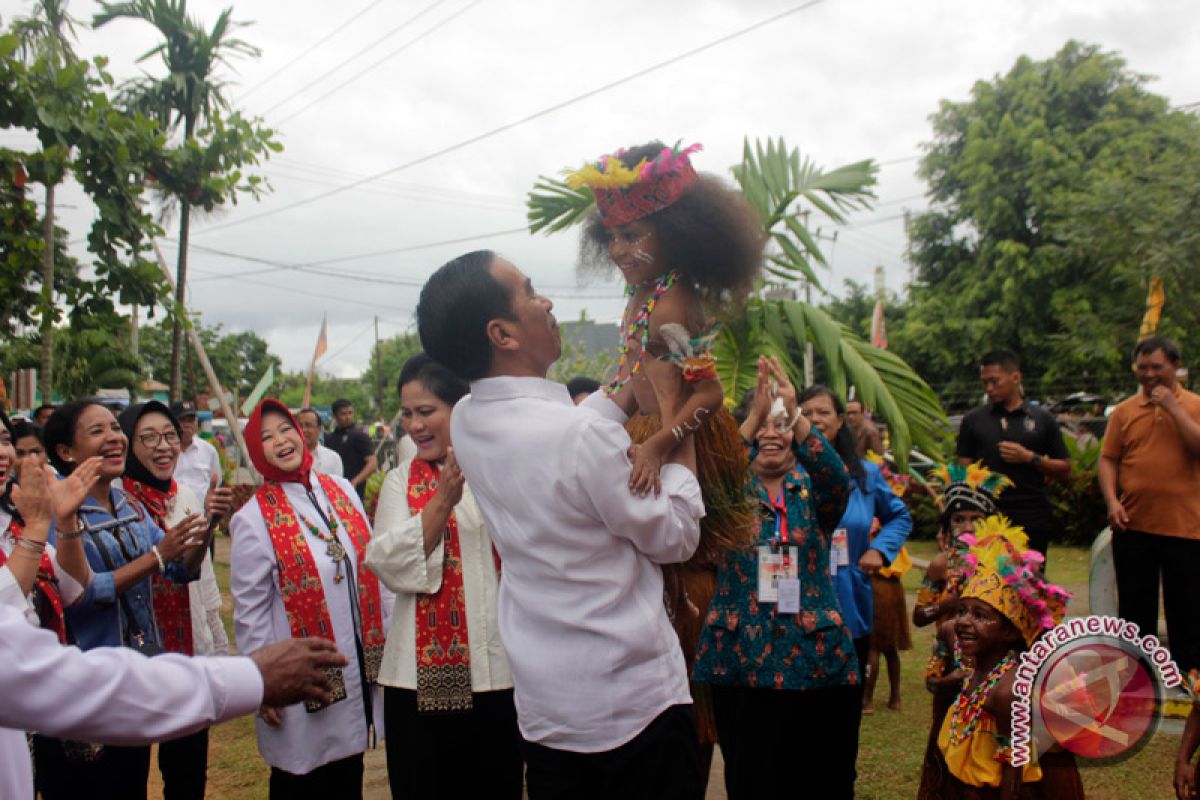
(779, 567)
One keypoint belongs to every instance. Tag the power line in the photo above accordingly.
(358, 54)
(309, 266)
(310, 48)
(346, 346)
(516, 123)
(293, 290)
(388, 57)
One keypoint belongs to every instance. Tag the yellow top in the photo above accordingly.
(973, 761)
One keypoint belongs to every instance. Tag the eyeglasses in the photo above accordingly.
(152, 438)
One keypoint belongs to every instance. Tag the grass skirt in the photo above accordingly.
(730, 522)
(890, 627)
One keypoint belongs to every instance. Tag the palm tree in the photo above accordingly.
(187, 96)
(786, 190)
(46, 35)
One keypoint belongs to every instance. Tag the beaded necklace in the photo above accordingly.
(638, 327)
(967, 708)
(333, 546)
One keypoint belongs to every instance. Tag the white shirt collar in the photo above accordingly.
(508, 387)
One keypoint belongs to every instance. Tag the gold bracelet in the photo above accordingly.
(67, 536)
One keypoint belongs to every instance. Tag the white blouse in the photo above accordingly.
(69, 589)
(397, 555)
(204, 596)
(303, 741)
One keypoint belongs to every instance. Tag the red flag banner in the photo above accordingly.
(322, 346)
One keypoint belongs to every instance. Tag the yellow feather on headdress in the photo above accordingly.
(614, 176)
(996, 536)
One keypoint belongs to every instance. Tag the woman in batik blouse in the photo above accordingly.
(774, 647)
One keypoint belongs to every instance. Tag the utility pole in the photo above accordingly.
(378, 370)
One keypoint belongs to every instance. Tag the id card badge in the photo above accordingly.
(772, 568)
(839, 555)
(789, 596)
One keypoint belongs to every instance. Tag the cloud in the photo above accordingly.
(843, 80)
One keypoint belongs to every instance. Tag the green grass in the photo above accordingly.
(892, 743)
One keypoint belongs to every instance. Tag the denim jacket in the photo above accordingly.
(97, 620)
(744, 643)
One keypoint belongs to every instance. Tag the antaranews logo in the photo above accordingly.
(1092, 685)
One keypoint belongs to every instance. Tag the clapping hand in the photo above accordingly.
(184, 535)
(32, 497)
(68, 494)
(450, 482)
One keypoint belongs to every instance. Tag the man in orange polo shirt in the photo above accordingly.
(1152, 453)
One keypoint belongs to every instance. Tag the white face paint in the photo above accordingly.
(644, 257)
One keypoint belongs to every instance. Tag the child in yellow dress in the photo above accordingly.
(1003, 607)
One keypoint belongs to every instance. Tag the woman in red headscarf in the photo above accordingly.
(297, 570)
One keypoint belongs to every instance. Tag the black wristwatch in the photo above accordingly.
(1037, 458)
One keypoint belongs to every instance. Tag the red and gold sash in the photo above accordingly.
(46, 584)
(443, 647)
(172, 604)
(300, 583)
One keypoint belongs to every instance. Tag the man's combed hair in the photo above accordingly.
(1005, 359)
(1152, 344)
(457, 303)
(711, 234)
(339, 404)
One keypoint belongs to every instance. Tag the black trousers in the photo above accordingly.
(1140, 559)
(121, 773)
(183, 763)
(341, 779)
(472, 754)
(660, 763)
(775, 739)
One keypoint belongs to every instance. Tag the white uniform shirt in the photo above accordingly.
(594, 657)
(328, 462)
(112, 694)
(304, 741)
(196, 466)
(397, 555)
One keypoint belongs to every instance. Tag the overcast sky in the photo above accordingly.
(843, 80)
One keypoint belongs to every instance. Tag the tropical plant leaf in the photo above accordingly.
(782, 186)
(553, 206)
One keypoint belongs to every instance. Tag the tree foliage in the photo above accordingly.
(207, 168)
(239, 359)
(1058, 190)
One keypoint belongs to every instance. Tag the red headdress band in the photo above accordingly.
(626, 194)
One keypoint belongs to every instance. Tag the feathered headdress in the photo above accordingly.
(972, 487)
(1000, 569)
(625, 194)
(898, 481)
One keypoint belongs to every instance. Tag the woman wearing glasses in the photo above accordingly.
(188, 614)
(124, 548)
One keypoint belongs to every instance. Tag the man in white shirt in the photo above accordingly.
(324, 459)
(199, 463)
(601, 687)
(115, 695)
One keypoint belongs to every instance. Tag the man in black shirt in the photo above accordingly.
(353, 445)
(1019, 440)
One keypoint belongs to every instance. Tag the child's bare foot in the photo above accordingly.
(868, 708)
(894, 704)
